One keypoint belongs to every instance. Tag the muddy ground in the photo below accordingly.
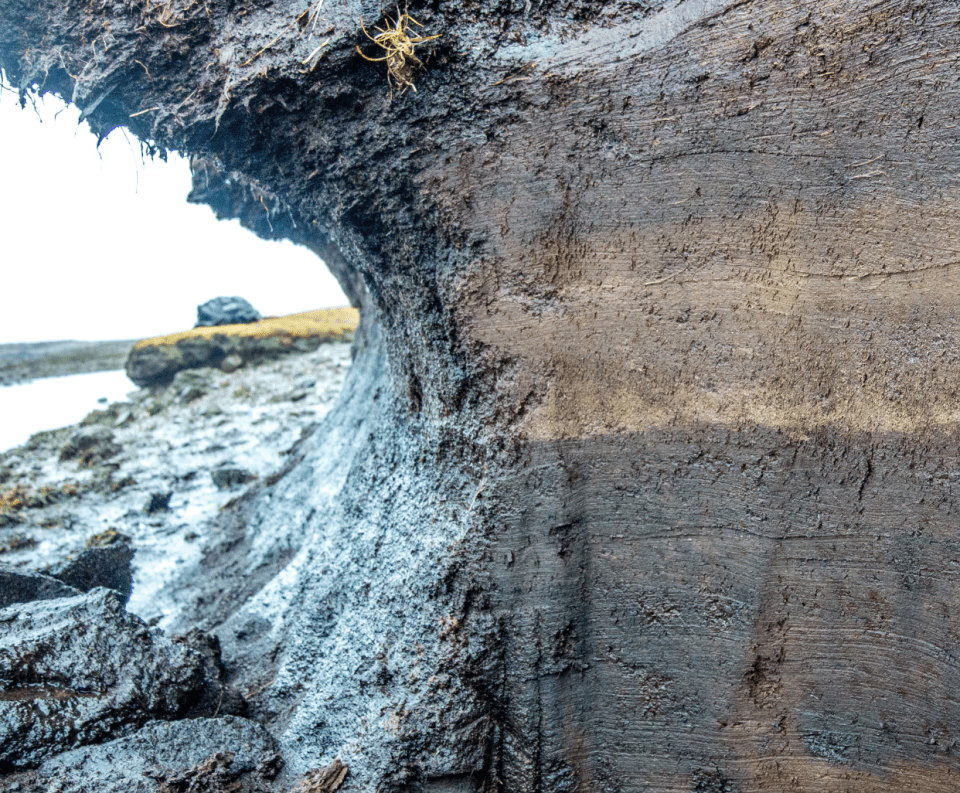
(187, 450)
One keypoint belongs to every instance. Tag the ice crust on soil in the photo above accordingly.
(170, 440)
(328, 591)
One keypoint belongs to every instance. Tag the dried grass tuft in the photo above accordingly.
(400, 48)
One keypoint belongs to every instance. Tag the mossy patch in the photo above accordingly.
(21, 497)
(333, 324)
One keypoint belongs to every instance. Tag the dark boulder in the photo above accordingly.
(223, 754)
(75, 671)
(226, 478)
(20, 587)
(158, 502)
(107, 566)
(226, 311)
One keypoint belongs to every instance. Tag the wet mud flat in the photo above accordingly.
(30, 361)
(97, 522)
(158, 468)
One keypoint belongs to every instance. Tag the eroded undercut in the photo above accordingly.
(644, 474)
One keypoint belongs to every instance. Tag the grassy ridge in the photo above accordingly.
(29, 361)
(334, 323)
(155, 362)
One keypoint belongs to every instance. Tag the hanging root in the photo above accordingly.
(400, 48)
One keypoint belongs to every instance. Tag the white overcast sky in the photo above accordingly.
(103, 245)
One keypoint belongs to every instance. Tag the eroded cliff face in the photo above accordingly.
(644, 479)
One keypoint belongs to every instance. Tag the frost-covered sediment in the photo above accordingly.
(81, 677)
(170, 446)
(296, 541)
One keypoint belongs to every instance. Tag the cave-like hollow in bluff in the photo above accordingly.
(644, 478)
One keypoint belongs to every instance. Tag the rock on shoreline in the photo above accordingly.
(156, 361)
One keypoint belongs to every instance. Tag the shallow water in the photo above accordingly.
(54, 402)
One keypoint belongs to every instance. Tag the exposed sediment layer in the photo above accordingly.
(650, 447)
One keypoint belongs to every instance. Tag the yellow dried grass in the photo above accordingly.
(328, 322)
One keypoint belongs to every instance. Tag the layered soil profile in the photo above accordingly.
(645, 475)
